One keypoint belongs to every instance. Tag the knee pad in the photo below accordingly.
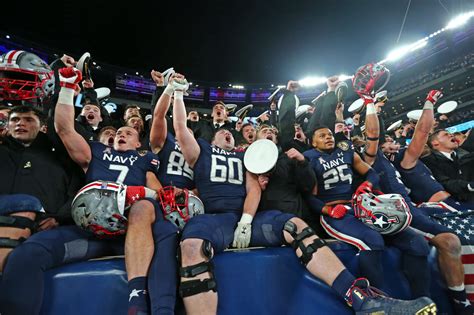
(307, 251)
(193, 287)
(15, 222)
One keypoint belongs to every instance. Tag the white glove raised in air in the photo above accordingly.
(180, 85)
(243, 232)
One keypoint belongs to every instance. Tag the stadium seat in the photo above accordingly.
(253, 281)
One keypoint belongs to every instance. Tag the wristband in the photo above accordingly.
(371, 109)
(370, 155)
(66, 96)
(373, 138)
(246, 218)
(150, 193)
(178, 95)
(428, 105)
(168, 90)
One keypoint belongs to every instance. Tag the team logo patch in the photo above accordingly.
(343, 145)
(142, 152)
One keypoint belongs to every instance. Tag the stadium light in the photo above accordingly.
(460, 20)
(402, 51)
(7, 36)
(344, 77)
(311, 81)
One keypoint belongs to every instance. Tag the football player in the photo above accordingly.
(174, 171)
(334, 167)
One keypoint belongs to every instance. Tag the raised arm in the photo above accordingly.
(186, 140)
(159, 126)
(422, 131)
(372, 129)
(77, 147)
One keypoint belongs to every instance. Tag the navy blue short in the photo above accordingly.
(18, 203)
(267, 228)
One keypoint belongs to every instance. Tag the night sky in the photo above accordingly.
(238, 42)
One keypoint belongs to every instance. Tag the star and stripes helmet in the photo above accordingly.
(386, 213)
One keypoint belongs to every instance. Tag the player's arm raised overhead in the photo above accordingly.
(189, 146)
(75, 144)
(422, 131)
(159, 126)
(372, 129)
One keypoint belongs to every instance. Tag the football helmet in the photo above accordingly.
(179, 208)
(99, 207)
(25, 76)
(366, 77)
(386, 213)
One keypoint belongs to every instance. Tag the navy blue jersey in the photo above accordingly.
(128, 167)
(418, 179)
(333, 171)
(220, 179)
(174, 170)
(390, 178)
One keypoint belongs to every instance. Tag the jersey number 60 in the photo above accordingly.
(226, 169)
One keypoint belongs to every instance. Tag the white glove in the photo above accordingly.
(242, 235)
(243, 232)
(180, 85)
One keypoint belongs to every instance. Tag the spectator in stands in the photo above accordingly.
(136, 122)
(30, 165)
(131, 110)
(193, 116)
(451, 165)
(325, 107)
(273, 113)
(206, 129)
(107, 135)
(292, 177)
(247, 136)
(300, 141)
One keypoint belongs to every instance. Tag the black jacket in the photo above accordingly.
(39, 170)
(453, 175)
(287, 182)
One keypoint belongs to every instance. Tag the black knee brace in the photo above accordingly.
(193, 287)
(307, 251)
(16, 222)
